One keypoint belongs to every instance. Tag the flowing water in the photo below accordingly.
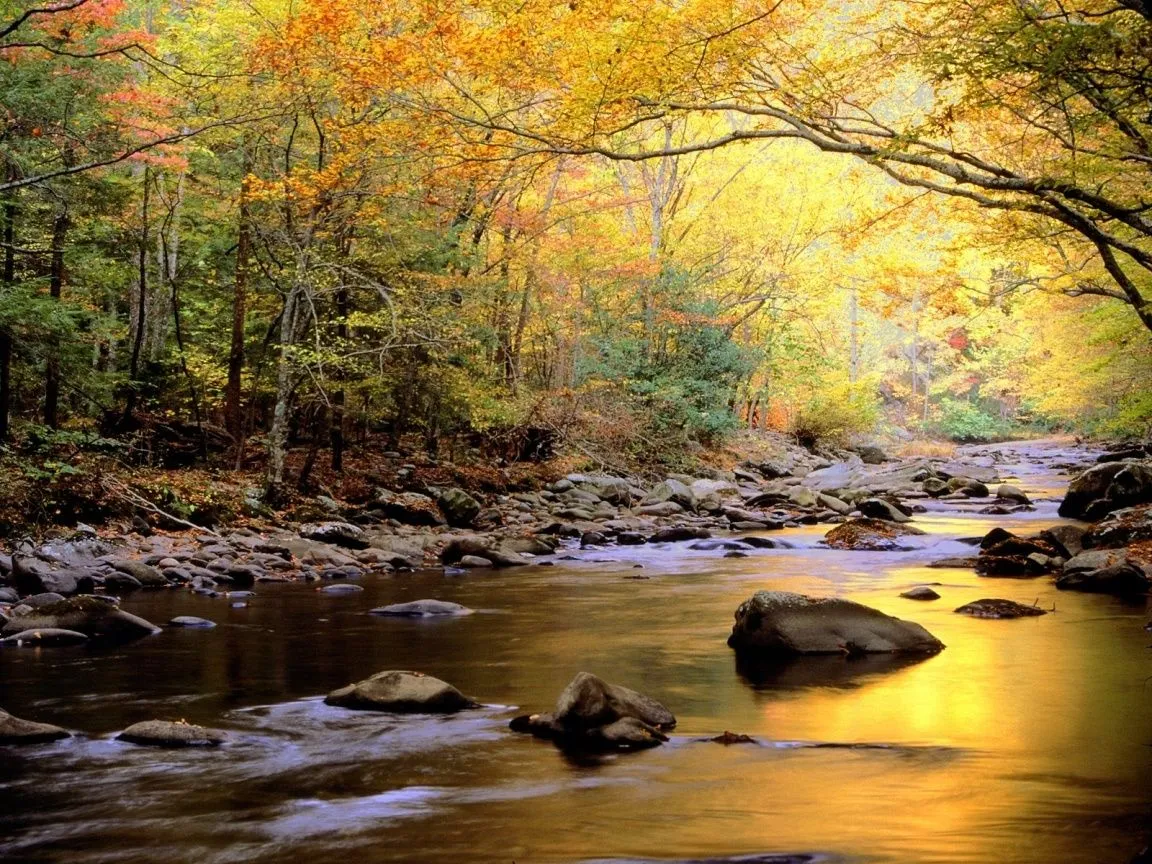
(1024, 741)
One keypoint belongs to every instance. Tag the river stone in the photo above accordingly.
(876, 535)
(614, 490)
(47, 636)
(935, 487)
(1008, 492)
(191, 621)
(401, 692)
(340, 588)
(1095, 492)
(502, 558)
(166, 733)
(36, 576)
(1094, 559)
(1123, 579)
(679, 534)
(664, 508)
(994, 608)
(38, 600)
(341, 534)
(410, 508)
(834, 504)
(473, 562)
(921, 592)
(147, 575)
(13, 730)
(878, 508)
(462, 546)
(460, 508)
(670, 490)
(86, 614)
(589, 701)
(953, 563)
(784, 623)
(423, 609)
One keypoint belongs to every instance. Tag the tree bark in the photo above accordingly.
(141, 308)
(233, 411)
(55, 289)
(9, 277)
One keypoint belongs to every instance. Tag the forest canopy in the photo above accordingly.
(233, 228)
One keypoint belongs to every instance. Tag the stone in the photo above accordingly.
(191, 621)
(460, 508)
(341, 534)
(1123, 579)
(994, 608)
(1007, 492)
(935, 487)
(876, 535)
(147, 575)
(166, 733)
(834, 504)
(402, 693)
(921, 592)
(664, 508)
(1104, 488)
(33, 575)
(1065, 538)
(784, 623)
(952, 563)
(473, 562)
(410, 508)
(671, 490)
(994, 537)
(590, 701)
(878, 508)
(614, 490)
(422, 609)
(44, 637)
(94, 617)
(802, 496)
(14, 730)
(678, 534)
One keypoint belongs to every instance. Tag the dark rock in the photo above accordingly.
(165, 733)
(1123, 579)
(410, 508)
(1008, 492)
(921, 592)
(1123, 454)
(1066, 539)
(461, 546)
(33, 575)
(147, 575)
(13, 730)
(869, 535)
(401, 692)
(245, 575)
(191, 621)
(677, 534)
(341, 534)
(423, 609)
(340, 588)
(89, 615)
(935, 487)
(460, 508)
(759, 542)
(119, 583)
(996, 535)
(45, 636)
(953, 563)
(474, 562)
(784, 623)
(38, 600)
(878, 508)
(730, 738)
(870, 455)
(630, 538)
(1104, 488)
(993, 608)
(717, 545)
(592, 538)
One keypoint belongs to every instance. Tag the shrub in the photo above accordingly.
(965, 421)
(832, 417)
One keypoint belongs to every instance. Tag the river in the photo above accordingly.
(1024, 741)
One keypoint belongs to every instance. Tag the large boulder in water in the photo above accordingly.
(96, 618)
(167, 733)
(1122, 579)
(1104, 488)
(784, 623)
(33, 575)
(596, 715)
(402, 693)
(13, 730)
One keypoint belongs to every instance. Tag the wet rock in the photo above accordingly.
(473, 562)
(245, 575)
(664, 508)
(401, 692)
(1067, 539)
(995, 536)
(502, 558)
(678, 534)
(592, 538)
(422, 609)
(993, 608)
(410, 508)
(165, 733)
(45, 637)
(630, 538)
(878, 508)
(461, 546)
(834, 504)
(342, 588)
(147, 575)
(89, 615)
(784, 623)
(341, 534)
(591, 713)
(191, 621)
(921, 592)
(935, 487)
(1123, 579)
(460, 508)
(875, 535)
(1104, 488)
(38, 600)
(717, 545)
(968, 486)
(121, 583)
(1007, 492)
(33, 575)
(759, 542)
(953, 563)
(730, 738)
(13, 730)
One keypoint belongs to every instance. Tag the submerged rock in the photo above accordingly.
(784, 623)
(191, 621)
(994, 608)
(13, 730)
(47, 636)
(422, 609)
(166, 733)
(921, 592)
(92, 616)
(401, 692)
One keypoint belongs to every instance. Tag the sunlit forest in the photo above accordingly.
(232, 230)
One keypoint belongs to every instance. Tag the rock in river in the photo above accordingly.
(191, 621)
(401, 692)
(92, 616)
(1122, 579)
(920, 592)
(784, 623)
(593, 714)
(13, 730)
(166, 733)
(873, 535)
(993, 608)
(423, 609)
(47, 636)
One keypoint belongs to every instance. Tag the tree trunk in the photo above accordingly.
(141, 308)
(278, 434)
(233, 412)
(55, 288)
(336, 430)
(9, 277)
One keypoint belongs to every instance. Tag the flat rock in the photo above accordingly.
(47, 636)
(401, 692)
(13, 730)
(92, 616)
(993, 608)
(166, 733)
(340, 588)
(422, 609)
(1123, 579)
(921, 592)
(191, 621)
